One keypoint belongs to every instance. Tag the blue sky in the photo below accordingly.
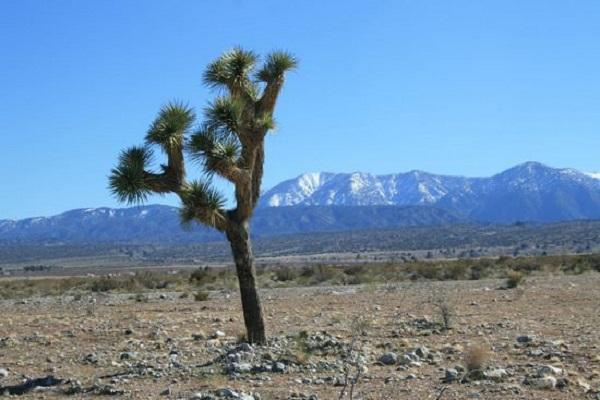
(454, 87)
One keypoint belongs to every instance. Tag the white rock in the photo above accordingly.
(549, 370)
(3, 373)
(497, 374)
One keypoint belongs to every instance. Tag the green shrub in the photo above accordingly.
(284, 274)
(201, 295)
(514, 279)
(106, 284)
(141, 298)
(203, 276)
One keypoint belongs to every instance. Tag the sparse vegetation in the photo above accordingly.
(476, 358)
(201, 296)
(371, 275)
(328, 360)
(514, 279)
(446, 311)
(353, 357)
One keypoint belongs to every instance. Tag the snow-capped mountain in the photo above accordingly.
(529, 191)
(360, 188)
(322, 202)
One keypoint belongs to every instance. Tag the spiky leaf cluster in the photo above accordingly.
(232, 71)
(225, 114)
(128, 180)
(201, 202)
(172, 123)
(276, 64)
(217, 152)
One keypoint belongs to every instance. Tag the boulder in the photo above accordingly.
(390, 358)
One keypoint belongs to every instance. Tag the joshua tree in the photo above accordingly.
(230, 144)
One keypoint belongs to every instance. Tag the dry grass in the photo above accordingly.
(476, 359)
(515, 270)
(514, 279)
(201, 295)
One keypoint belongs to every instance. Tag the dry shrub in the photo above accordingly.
(514, 279)
(285, 274)
(203, 276)
(476, 359)
(326, 273)
(106, 284)
(141, 298)
(446, 311)
(429, 270)
(201, 295)
(457, 271)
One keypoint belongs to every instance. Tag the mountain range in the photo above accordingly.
(159, 224)
(328, 202)
(527, 192)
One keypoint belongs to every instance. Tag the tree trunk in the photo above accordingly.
(239, 239)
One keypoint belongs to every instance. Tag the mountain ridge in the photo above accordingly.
(329, 202)
(160, 223)
(528, 191)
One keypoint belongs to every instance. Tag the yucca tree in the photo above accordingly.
(228, 143)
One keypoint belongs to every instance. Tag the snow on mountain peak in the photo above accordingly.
(595, 175)
(310, 181)
(533, 180)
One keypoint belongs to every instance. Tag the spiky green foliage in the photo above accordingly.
(216, 151)
(232, 71)
(225, 113)
(168, 130)
(276, 64)
(201, 202)
(128, 180)
(265, 123)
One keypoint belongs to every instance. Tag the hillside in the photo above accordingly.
(158, 224)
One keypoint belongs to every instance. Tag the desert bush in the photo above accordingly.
(106, 284)
(361, 325)
(353, 358)
(141, 298)
(457, 271)
(284, 274)
(301, 351)
(446, 311)
(428, 270)
(327, 273)
(201, 295)
(476, 358)
(203, 276)
(152, 280)
(357, 269)
(514, 279)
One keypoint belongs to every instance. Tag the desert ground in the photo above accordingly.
(540, 340)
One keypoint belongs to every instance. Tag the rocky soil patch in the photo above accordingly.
(370, 342)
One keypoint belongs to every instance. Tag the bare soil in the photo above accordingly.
(168, 340)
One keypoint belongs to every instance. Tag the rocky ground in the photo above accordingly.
(538, 341)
